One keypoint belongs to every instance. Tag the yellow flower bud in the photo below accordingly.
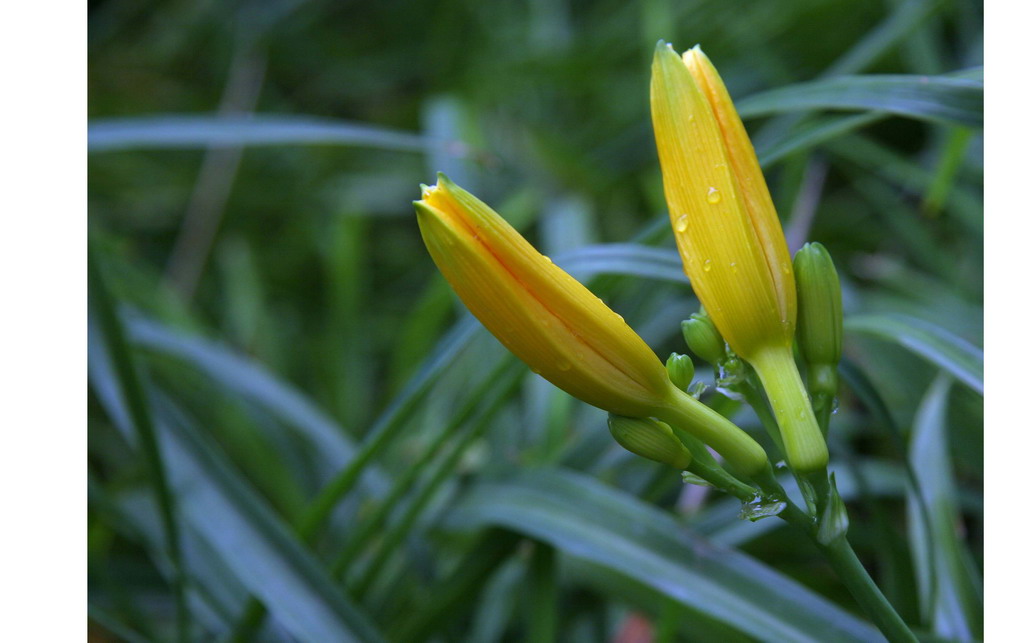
(725, 225)
(729, 235)
(558, 327)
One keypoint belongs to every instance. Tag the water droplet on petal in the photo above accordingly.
(548, 259)
(785, 268)
(564, 365)
(714, 196)
(681, 224)
(734, 268)
(620, 317)
(707, 265)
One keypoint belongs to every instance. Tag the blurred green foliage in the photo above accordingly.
(280, 310)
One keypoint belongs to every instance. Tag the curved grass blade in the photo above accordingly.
(585, 519)
(939, 99)
(952, 596)
(252, 541)
(125, 376)
(178, 131)
(958, 357)
(816, 133)
(623, 259)
(250, 380)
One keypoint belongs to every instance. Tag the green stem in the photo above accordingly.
(804, 444)
(852, 574)
(722, 480)
(850, 570)
(730, 441)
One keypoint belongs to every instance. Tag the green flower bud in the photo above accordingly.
(649, 439)
(703, 338)
(680, 370)
(819, 324)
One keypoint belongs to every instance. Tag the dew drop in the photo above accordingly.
(734, 268)
(785, 268)
(548, 259)
(707, 265)
(563, 365)
(690, 118)
(681, 224)
(620, 317)
(714, 196)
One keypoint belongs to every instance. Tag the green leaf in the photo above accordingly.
(250, 380)
(958, 357)
(253, 542)
(188, 132)
(137, 419)
(623, 259)
(940, 99)
(948, 582)
(583, 518)
(815, 133)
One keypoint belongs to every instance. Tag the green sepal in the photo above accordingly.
(834, 520)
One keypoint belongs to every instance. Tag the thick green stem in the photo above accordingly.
(850, 570)
(803, 441)
(738, 448)
(852, 574)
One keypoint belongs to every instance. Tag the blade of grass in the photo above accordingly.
(583, 518)
(960, 358)
(375, 523)
(432, 483)
(542, 595)
(110, 331)
(938, 99)
(176, 131)
(951, 597)
(455, 594)
(252, 541)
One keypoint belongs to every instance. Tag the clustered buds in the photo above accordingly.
(730, 239)
(558, 327)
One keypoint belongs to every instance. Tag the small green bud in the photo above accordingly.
(819, 323)
(649, 439)
(703, 338)
(680, 370)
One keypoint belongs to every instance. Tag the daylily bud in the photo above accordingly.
(730, 237)
(725, 225)
(557, 326)
(703, 339)
(819, 330)
(649, 439)
(680, 370)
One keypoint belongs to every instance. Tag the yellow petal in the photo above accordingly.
(748, 173)
(540, 313)
(721, 249)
